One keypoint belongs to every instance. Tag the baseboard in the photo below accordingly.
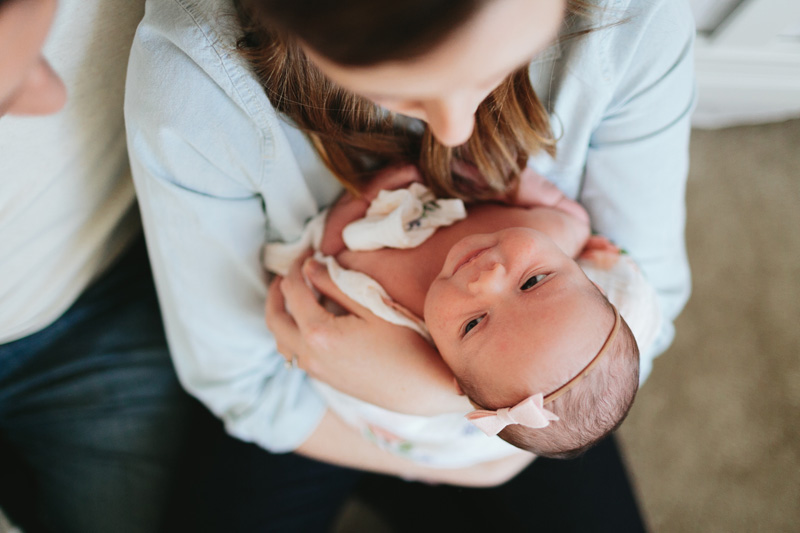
(742, 85)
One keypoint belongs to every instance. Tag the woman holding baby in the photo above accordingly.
(247, 117)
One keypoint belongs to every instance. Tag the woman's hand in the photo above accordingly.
(357, 352)
(601, 251)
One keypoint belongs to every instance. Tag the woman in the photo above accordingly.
(219, 170)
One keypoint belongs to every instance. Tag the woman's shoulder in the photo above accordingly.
(627, 46)
(625, 32)
(651, 23)
(632, 74)
(188, 48)
(636, 15)
(190, 22)
(191, 100)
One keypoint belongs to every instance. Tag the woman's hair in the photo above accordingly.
(588, 412)
(353, 135)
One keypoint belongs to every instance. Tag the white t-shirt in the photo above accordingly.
(67, 206)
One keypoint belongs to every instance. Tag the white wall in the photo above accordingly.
(748, 61)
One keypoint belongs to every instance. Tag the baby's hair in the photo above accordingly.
(589, 411)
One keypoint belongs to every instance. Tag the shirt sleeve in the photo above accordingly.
(200, 164)
(637, 163)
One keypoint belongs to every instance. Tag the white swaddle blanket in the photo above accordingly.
(403, 219)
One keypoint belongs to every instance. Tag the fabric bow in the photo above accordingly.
(530, 412)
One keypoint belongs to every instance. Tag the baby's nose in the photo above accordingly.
(489, 279)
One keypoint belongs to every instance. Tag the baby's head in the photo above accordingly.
(513, 316)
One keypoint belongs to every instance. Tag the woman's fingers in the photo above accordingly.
(275, 306)
(304, 329)
(301, 301)
(280, 322)
(598, 242)
(318, 275)
(317, 332)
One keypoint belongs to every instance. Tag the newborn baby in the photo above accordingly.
(541, 353)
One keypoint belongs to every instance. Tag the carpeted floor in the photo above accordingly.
(713, 440)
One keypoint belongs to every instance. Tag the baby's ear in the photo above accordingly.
(458, 387)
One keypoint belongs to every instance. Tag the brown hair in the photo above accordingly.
(354, 136)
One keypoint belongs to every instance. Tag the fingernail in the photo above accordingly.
(311, 265)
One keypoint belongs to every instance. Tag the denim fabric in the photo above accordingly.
(91, 413)
(238, 487)
(590, 494)
(253, 490)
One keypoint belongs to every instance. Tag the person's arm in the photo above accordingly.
(199, 159)
(337, 443)
(205, 150)
(569, 233)
(563, 219)
(637, 162)
(534, 190)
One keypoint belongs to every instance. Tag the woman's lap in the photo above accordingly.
(591, 493)
(242, 488)
(234, 486)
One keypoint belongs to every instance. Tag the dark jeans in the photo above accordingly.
(242, 488)
(91, 414)
(588, 494)
(232, 486)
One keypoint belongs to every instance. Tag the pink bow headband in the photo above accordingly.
(530, 412)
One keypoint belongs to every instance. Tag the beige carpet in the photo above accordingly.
(713, 440)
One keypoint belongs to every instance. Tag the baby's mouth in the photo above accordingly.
(468, 258)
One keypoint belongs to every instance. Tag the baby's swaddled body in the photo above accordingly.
(405, 219)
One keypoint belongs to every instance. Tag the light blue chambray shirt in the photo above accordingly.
(218, 173)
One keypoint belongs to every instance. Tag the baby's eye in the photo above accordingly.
(472, 323)
(533, 280)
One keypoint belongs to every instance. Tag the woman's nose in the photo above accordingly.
(489, 280)
(452, 120)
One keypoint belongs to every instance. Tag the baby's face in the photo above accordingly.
(508, 300)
